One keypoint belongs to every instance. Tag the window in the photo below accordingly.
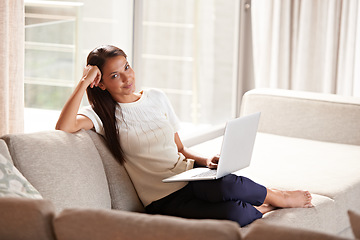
(51, 57)
(187, 48)
(58, 37)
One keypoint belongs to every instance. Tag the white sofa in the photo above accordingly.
(305, 141)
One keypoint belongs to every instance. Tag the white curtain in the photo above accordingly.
(12, 66)
(310, 45)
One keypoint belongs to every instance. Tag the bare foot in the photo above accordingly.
(265, 208)
(289, 199)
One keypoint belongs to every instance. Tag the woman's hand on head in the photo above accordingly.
(212, 162)
(91, 75)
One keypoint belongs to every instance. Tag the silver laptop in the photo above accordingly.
(236, 151)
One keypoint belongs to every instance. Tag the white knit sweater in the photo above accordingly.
(147, 129)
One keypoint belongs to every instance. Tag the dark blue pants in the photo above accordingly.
(231, 197)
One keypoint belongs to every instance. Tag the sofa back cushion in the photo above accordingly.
(122, 191)
(26, 219)
(65, 168)
(315, 116)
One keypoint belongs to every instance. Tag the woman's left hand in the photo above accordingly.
(212, 162)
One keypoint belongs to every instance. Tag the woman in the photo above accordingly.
(140, 129)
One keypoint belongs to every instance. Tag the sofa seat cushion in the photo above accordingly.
(326, 169)
(78, 224)
(65, 168)
(26, 219)
(323, 217)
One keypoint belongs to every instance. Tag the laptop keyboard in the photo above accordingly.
(209, 173)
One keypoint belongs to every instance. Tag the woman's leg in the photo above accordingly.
(240, 212)
(231, 197)
(288, 199)
(233, 188)
(285, 199)
(184, 203)
(230, 188)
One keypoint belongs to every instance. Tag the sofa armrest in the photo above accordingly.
(315, 116)
(114, 224)
(259, 230)
(24, 218)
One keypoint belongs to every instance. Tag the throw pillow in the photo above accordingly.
(13, 183)
(355, 223)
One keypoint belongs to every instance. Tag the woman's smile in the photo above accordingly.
(129, 86)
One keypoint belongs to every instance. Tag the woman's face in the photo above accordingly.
(118, 78)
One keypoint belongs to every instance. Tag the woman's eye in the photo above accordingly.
(127, 67)
(115, 76)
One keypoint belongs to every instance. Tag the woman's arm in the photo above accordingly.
(69, 120)
(210, 162)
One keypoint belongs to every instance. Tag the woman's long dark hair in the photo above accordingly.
(102, 102)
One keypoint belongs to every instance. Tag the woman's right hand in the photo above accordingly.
(213, 161)
(91, 75)
(69, 120)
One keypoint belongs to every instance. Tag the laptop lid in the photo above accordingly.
(238, 144)
(235, 154)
